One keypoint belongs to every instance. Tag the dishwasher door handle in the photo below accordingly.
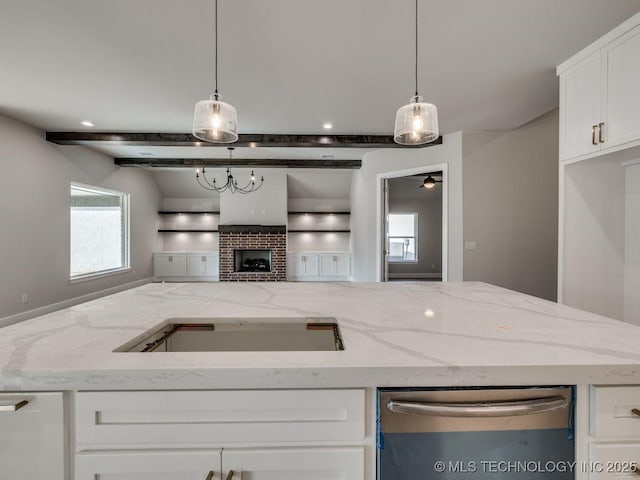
(479, 409)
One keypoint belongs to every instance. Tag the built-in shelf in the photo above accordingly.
(186, 230)
(189, 213)
(318, 231)
(342, 212)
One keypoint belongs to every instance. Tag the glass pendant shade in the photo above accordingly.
(416, 123)
(215, 121)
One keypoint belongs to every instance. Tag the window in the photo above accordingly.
(99, 231)
(403, 232)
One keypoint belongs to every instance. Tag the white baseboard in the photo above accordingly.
(415, 275)
(36, 312)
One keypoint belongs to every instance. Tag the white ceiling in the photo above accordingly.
(288, 66)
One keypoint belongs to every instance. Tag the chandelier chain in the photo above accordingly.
(216, 49)
(416, 47)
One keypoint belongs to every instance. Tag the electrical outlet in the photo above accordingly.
(24, 298)
(470, 245)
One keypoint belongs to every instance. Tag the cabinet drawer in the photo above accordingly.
(615, 460)
(140, 465)
(611, 414)
(206, 418)
(295, 464)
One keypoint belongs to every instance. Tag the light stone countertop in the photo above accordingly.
(395, 334)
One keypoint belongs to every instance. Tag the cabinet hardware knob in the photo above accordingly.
(12, 406)
(593, 135)
(601, 132)
(636, 411)
(210, 475)
(229, 475)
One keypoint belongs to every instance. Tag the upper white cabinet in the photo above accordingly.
(32, 438)
(599, 95)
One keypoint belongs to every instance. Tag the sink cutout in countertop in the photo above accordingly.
(238, 335)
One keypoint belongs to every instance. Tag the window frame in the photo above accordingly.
(415, 238)
(125, 237)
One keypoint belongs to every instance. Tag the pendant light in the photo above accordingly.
(215, 121)
(417, 122)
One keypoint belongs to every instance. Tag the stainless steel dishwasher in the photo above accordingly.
(476, 433)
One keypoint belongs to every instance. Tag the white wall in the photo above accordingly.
(365, 204)
(632, 244)
(267, 206)
(511, 206)
(34, 217)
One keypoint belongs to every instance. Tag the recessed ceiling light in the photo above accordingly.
(146, 154)
(327, 126)
(87, 123)
(327, 156)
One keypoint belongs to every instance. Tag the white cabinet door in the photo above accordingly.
(303, 265)
(141, 465)
(311, 265)
(580, 108)
(197, 265)
(295, 464)
(32, 437)
(335, 265)
(211, 265)
(622, 113)
(343, 265)
(169, 265)
(327, 265)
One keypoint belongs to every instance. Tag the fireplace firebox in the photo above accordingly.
(252, 260)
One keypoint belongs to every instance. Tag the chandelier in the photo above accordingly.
(213, 120)
(231, 184)
(417, 122)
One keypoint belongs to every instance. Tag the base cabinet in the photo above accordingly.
(294, 464)
(319, 266)
(169, 265)
(165, 465)
(32, 438)
(185, 266)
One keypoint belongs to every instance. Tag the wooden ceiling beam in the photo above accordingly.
(237, 163)
(244, 140)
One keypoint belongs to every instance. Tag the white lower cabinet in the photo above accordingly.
(169, 265)
(241, 435)
(185, 266)
(141, 465)
(319, 266)
(32, 437)
(346, 463)
(614, 448)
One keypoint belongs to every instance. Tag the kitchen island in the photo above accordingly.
(395, 334)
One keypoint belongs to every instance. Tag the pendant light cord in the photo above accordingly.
(216, 49)
(416, 47)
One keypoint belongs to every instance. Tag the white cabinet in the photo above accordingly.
(614, 442)
(141, 465)
(186, 266)
(599, 95)
(295, 464)
(335, 265)
(580, 98)
(319, 266)
(301, 266)
(169, 265)
(202, 265)
(32, 438)
(190, 435)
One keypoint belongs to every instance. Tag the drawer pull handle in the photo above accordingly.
(484, 409)
(12, 406)
(601, 132)
(230, 475)
(636, 411)
(593, 135)
(210, 475)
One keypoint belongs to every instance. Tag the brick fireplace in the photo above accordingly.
(242, 247)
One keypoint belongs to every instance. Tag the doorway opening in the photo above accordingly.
(413, 242)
